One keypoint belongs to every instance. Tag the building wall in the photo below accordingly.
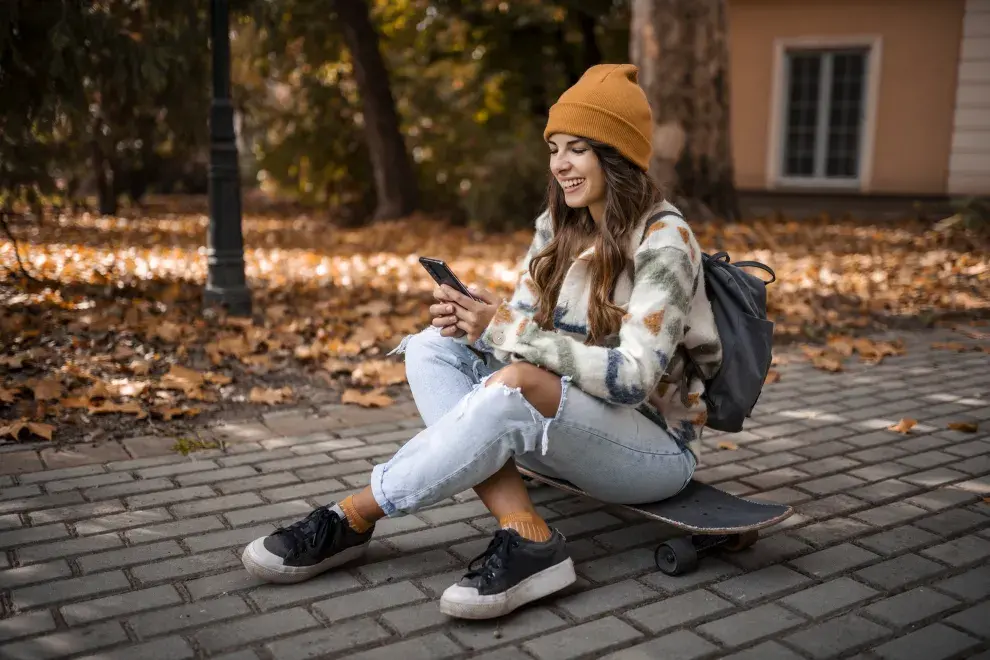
(919, 43)
(969, 164)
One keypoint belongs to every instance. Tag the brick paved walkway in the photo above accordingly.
(131, 551)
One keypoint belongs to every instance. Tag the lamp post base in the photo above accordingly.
(235, 300)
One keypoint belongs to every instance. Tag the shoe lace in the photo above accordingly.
(494, 557)
(314, 532)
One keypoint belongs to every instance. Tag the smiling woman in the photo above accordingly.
(580, 376)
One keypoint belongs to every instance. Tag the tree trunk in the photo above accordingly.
(395, 183)
(106, 191)
(681, 49)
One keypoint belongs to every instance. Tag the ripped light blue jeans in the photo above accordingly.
(612, 452)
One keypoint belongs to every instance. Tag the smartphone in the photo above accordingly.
(442, 274)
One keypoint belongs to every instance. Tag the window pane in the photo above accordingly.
(846, 108)
(802, 114)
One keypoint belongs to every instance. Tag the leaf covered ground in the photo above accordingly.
(107, 335)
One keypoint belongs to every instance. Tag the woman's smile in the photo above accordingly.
(571, 185)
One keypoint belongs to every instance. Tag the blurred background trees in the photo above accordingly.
(368, 108)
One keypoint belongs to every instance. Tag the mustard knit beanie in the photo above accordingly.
(607, 104)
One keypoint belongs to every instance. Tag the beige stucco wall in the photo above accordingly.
(915, 97)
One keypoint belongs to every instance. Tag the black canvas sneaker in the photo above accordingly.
(513, 571)
(320, 541)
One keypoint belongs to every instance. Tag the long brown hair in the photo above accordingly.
(629, 193)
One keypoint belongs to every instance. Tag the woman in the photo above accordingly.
(581, 375)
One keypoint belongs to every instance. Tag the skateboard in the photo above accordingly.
(713, 518)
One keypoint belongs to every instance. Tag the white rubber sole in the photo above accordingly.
(264, 565)
(465, 603)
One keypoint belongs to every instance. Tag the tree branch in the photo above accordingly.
(17, 250)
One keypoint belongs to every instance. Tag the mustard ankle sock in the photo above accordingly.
(528, 525)
(354, 519)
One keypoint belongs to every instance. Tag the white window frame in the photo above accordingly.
(776, 180)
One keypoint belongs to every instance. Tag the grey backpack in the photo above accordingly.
(739, 303)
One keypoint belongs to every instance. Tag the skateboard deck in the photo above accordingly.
(699, 508)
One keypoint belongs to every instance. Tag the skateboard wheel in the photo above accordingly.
(742, 541)
(676, 556)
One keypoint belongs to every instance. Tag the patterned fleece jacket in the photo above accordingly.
(668, 321)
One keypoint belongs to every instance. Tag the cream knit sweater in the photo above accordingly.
(668, 320)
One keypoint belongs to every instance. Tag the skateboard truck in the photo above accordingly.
(680, 555)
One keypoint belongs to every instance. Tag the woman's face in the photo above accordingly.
(577, 171)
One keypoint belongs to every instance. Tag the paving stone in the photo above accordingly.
(765, 651)
(332, 583)
(407, 566)
(162, 498)
(897, 540)
(831, 531)
(256, 483)
(101, 479)
(75, 512)
(182, 567)
(17, 492)
(910, 607)
(331, 470)
(836, 636)
(386, 448)
(971, 585)
(591, 637)
(63, 473)
(877, 454)
(882, 471)
(774, 478)
(172, 530)
(714, 475)
(185, 616)
(882, 491)
(750, 625)
(129, 556)
(933, 642)
(294, 462)
(127, 488)
(214, 504)
(973, 620)
(446, 514)
(320, 643)
(19, 462)
(22, 575)
(899, 572)
(771, 550)
(215, 476)
(783, 495)
(773, 461)
(298, 491)
(586, 523)
(618, 566)
(120, 605)
(427, 647)
(368, 600)
(413, 618)
(67, 548)
(168, 648)
(433, 536)
(176, 469)
(832, 484)
(678, 610)
(522, 623)
(53, 592)
(681, 645)
(389, 526)
(604, 599)
(951, 522)
(890, 514)
(936, 477)
(820, 449)
(828, 465)
(121, 521)
(23, 625)
(828, 598)
(832, 505)
(961, 551)
(254, 628)
(941, 498)
(709, 570)
(40, 502)
(760, 584)
(66, 642)
(255, 514)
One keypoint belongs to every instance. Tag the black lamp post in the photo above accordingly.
(225, 283)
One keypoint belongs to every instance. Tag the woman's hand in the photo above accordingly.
(458, 315)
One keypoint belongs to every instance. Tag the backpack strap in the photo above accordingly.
(724, 256)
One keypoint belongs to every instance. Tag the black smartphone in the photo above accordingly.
(442, 274)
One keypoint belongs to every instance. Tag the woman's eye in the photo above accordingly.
(579, 150)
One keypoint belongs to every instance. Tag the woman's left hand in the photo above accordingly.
(472, 316)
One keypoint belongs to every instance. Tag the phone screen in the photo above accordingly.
(441, 274)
